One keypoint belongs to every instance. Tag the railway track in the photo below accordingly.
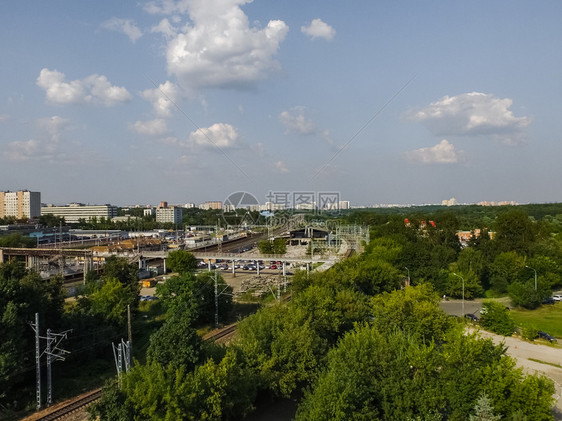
(65, 408)
(213, 336)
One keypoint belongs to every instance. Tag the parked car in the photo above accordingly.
(549, 300)
(471, 317)
(544, 335)
(557, 297)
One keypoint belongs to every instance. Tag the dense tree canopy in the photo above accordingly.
(181, 261)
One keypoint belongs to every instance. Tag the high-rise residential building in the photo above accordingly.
(216, 205)
(75, 211)
(172, 214)
(21, 204)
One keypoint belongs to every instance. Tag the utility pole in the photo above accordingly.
(216, 302)
(130, 332)
(37, 360)
(122, 355)
(48, 352)
(53, 353)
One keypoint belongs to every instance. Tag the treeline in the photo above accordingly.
(97, 317)
(350, 345)
(521, 247)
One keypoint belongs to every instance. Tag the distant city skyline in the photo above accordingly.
(190, 101)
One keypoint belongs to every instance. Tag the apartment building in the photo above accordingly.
(75, 211)
(21, 204)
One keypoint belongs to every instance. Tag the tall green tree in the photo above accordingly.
(514, 231)
(196, 293)
(176, 343)
(506, 269)
(181, 261)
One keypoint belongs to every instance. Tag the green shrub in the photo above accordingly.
(496, 317)
(529, 332)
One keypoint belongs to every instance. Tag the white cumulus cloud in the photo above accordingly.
(319, 29)
(296, 121)
(24, 150)
(94, 89)
(472, 113)
(165, 28)
(442, 153)
(53, 125)
(156, 127)
(217, 47)
(125, 26)
(162, 98)
(220, 135)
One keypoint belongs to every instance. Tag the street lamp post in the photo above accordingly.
(408, 275)
(462, 293)
(535, 275)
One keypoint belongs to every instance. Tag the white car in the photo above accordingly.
(557, 297)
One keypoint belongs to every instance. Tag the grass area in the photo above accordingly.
(547, 318)
(545, 362)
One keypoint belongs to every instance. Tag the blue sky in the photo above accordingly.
(189, 101)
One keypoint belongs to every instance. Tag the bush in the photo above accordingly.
(529, 332)
(495, 317)
(525, 295)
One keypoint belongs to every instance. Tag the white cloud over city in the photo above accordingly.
(125, 26)
(162, 98)
(319, 29)
(471, 114)
(296, 121)
(442, 153)
(44, 147)
(219, 135)
(218, 47)
(94, 89)
(156, 127)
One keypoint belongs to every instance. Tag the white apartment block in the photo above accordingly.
(75, 211)
(172, 214)
(21, 204)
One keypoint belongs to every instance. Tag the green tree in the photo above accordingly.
(17, 240)
(126, 273)
(413, 310)
(196, 293)
(265, 247)
(110, 302)
(495, 317)
(175, 343)
(213, 391)
(514, 231)
(472, 287)
(281, 346)
(483, 410)
(22, 294)
(505, 269)
(181, 261)
(524, 294)
(279, 246)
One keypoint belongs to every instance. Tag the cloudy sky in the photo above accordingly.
(191, 100)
